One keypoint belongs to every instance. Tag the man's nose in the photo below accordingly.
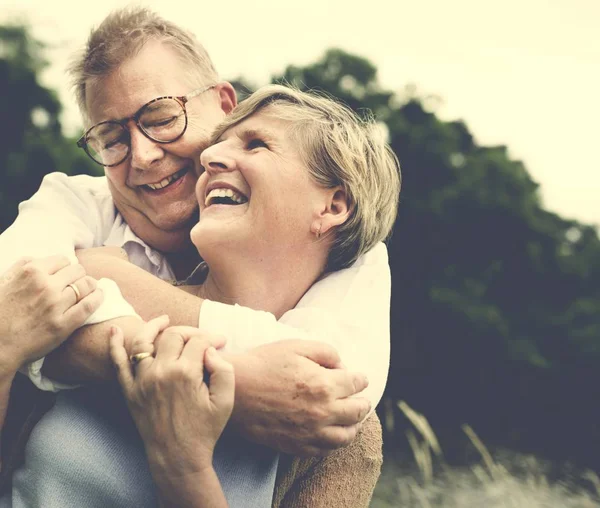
(144, 151)
(218, 158)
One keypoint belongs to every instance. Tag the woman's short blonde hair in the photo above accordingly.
(339, 149)
(121, 36)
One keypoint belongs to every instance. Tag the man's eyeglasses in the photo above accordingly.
(163, 120)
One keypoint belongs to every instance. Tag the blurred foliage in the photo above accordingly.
(496, 301)
(31, 140)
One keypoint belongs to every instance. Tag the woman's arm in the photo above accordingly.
(311, 412)
(179, 416)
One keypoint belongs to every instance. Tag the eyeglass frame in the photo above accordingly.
(182, 99)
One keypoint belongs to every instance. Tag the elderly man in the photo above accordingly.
(136, 64)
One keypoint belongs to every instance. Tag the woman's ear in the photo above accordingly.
(337, 210)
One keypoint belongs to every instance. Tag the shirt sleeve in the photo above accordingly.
(63, 215)
(348, 309)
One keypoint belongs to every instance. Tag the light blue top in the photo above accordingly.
(86, 453)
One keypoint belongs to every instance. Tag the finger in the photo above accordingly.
(350, 411)
(52, 264)
(75, 316)
(196, 345)
(335, 436)
(320, 353)
(68, 275)
(170, 345)
(186, 332)
(120, 360)
(14, 269)
(222, 380)
(347, 383)
(20, 262)
(85, 286)
(144, 340)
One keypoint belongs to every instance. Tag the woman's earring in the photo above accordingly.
(318, 232)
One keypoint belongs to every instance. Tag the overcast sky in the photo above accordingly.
(524, 73)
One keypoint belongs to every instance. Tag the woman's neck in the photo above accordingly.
(273, 284)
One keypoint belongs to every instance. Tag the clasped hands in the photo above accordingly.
(292, 395)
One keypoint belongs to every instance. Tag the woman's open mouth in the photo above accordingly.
(224, 196)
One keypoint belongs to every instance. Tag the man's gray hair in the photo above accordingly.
(121, 36)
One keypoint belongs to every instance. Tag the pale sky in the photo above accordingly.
(523, 73)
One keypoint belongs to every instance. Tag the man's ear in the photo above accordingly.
(227, 96)
(337, 210)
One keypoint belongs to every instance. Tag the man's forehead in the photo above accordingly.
(155, 71)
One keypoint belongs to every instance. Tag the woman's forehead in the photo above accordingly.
(262, 123)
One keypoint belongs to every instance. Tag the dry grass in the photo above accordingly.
(510, 482)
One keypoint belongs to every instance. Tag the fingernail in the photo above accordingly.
(113, 330)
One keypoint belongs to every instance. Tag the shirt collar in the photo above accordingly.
(121, 234)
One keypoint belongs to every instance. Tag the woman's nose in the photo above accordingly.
(218, 158)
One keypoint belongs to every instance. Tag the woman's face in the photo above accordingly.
(256, 193)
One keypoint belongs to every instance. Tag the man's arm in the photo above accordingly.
(292, 395)
(66, 213)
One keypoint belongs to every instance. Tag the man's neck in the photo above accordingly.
(183, 263)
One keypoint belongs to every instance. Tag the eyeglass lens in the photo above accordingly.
(162, 120)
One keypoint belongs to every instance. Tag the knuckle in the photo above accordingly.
(93, 283)
(64, 260)
(88, 306)
(54, 325)
(316, 414)
(32, 272)
(88, 284)
(79, 270)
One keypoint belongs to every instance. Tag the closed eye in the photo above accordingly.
(256, 143)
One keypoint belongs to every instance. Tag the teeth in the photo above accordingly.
(224, 193)
(166, 181)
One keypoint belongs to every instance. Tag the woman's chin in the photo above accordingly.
(211, 236)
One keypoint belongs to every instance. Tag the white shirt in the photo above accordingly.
(348, 309)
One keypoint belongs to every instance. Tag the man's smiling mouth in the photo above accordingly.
(165, 182)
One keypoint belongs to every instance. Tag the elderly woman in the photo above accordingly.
(295, 187)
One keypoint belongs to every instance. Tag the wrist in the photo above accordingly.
(8, 372)
(166, 462)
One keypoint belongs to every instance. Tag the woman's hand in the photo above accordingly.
(178, 415)
(40, 308)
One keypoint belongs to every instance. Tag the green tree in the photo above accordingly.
(31, 140)
(495, 301)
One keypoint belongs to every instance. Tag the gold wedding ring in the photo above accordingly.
(135, 359)
(76, 291)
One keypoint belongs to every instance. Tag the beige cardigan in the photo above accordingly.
(344, 479)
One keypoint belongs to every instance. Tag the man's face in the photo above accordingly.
(161, 216)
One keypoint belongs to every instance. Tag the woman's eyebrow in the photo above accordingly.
(256, 133)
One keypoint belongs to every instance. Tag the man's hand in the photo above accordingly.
(295, 396)
(42, 302)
